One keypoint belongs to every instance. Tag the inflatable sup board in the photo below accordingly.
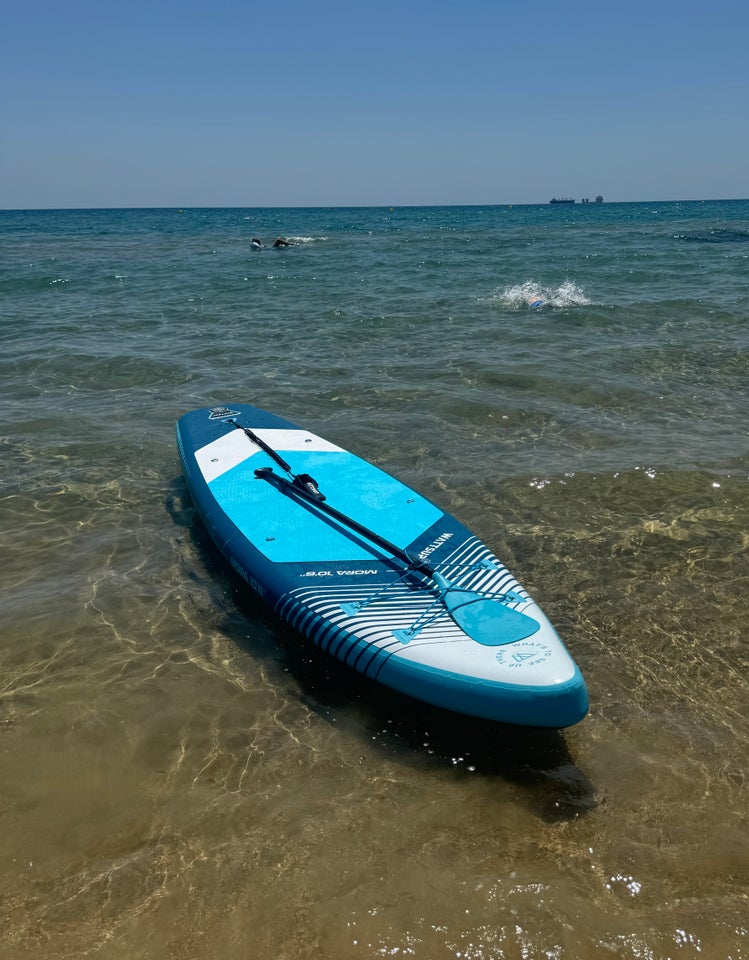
(372, 572)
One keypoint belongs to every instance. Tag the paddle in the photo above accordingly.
(485, 619)
(287, 486)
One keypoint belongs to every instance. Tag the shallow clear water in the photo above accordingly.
(180, 776)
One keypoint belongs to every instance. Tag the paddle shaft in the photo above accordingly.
(266, 473)
(306, 487)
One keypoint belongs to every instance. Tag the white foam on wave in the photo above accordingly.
(305, 239)
(521, 295)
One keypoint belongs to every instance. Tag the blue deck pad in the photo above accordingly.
(286, 531)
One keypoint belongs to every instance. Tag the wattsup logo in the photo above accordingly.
(528, 654)
(221, 413)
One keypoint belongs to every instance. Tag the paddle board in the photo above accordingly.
(374, 573)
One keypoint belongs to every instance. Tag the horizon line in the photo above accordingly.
(362, 206)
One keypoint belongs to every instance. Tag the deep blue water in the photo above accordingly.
(181, 777)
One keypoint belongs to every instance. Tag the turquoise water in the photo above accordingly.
(181, 777)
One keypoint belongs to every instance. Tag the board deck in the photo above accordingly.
(403, 592)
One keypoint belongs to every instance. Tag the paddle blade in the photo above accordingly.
(487, 621)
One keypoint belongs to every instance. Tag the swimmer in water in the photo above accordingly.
(256, 244)
(535, 302)
(280, 242)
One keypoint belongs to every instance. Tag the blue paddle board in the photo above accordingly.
(372, 572)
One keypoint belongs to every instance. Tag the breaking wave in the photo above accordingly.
(520, 296)
(305, 239)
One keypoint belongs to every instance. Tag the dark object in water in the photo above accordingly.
(718, 235)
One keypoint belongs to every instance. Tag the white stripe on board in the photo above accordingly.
(234, 448)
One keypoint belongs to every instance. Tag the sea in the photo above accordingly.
(182, 777)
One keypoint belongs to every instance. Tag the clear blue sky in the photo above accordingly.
(358, 102)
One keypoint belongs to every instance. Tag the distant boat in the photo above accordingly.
(561, 200)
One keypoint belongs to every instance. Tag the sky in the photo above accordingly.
(161, 103)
